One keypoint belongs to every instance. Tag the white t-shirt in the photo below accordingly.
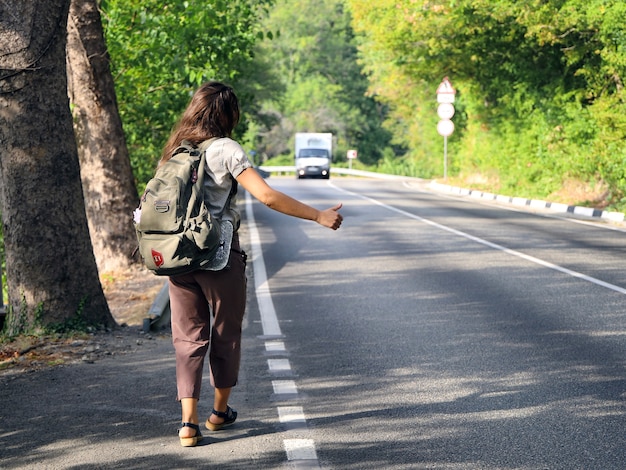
(225, 160)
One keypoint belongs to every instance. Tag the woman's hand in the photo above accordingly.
(330, 218)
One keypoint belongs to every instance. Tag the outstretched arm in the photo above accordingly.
(255, 185)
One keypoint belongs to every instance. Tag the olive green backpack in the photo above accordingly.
(174, 228)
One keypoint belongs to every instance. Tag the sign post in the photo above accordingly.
(352, 154)
(445, 111)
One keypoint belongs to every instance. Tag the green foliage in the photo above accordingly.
(280, 160)
(540, 86)
(76, 324)
(161, 52)
(322, 88)
(539, 83)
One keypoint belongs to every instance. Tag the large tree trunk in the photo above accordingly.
(51, 270)
(108, 182)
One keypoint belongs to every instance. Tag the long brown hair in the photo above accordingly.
(212, 112)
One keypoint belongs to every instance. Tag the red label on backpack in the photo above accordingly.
(158, 258)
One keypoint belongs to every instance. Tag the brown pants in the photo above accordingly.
(193, 297)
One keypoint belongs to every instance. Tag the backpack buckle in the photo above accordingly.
(162, 206)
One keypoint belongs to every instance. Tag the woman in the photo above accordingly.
(213, 113)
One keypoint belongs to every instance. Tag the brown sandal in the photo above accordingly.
(229, 416)
(190, 441)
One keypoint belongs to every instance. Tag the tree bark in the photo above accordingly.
(107, 177)
(51, 270)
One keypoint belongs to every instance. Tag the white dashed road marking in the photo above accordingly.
(284, 387)
(291, 414)
(279, 365)
(275, 346)
(300, 449)
(297, 450)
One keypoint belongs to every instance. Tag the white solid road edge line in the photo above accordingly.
(262, 288)
(495, 246)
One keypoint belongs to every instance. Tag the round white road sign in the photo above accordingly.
(445, 110)
(445, 127)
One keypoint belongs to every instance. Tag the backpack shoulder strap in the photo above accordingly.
(184, 146)
(198, 187)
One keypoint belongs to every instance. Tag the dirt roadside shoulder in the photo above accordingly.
(129, 294)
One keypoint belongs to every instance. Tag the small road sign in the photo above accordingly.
(445, 110)
(445, 127)
(445, 92)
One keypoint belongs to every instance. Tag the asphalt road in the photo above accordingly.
(439, 332)
(429, 332)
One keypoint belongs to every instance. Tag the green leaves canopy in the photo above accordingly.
(540, 84)
(162, 51)
(313, 53)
